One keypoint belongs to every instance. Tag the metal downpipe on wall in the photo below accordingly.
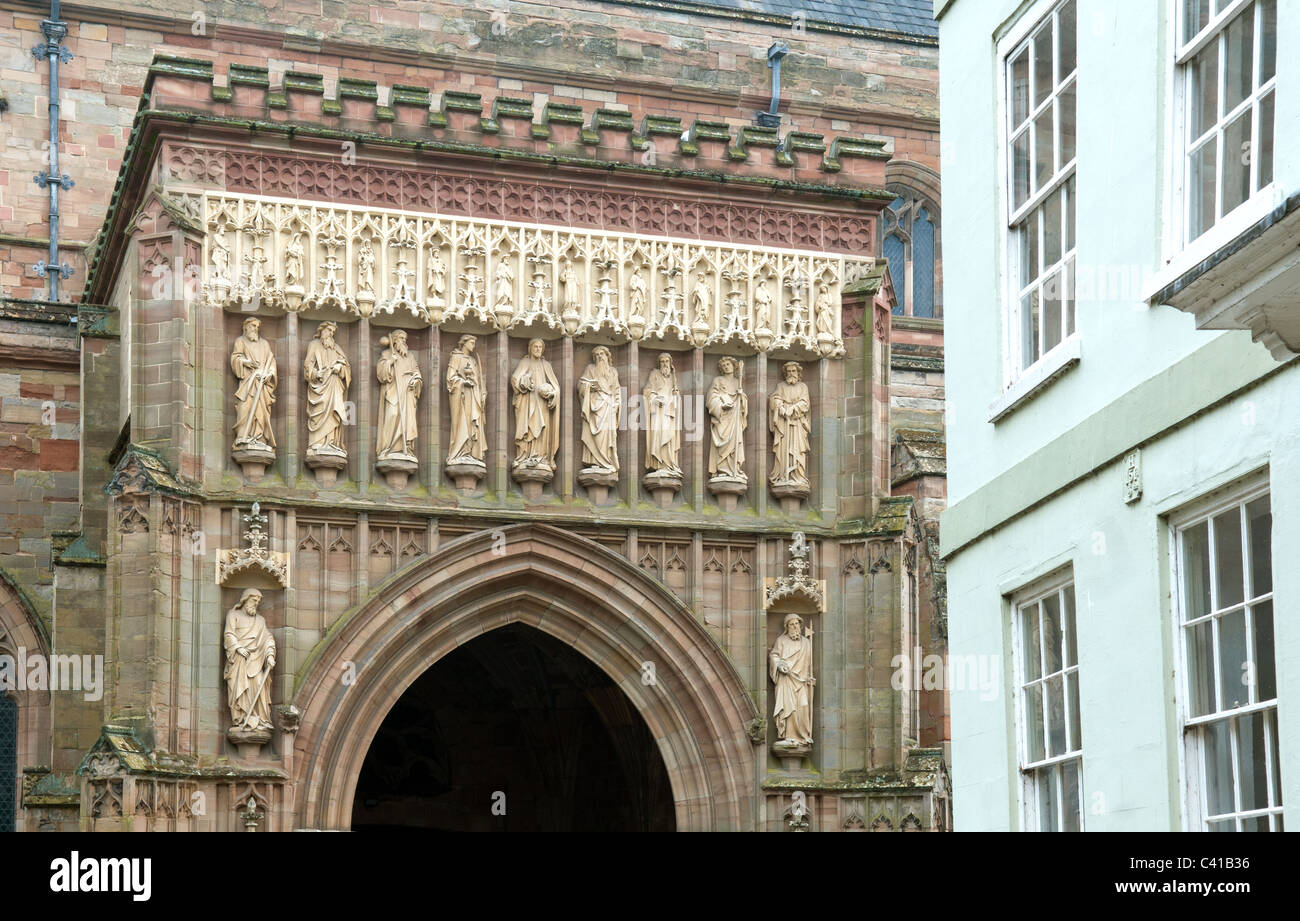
(55, 52)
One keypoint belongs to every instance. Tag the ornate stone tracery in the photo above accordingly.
(419, 270)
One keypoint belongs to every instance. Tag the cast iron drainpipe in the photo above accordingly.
(53, 49)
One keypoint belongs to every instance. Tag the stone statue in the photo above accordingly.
(790, 410)
(366, 268)
(701, 299)
(637, 294)
(466, 396)
(762, 305)
(537, 411)
(437, 278)
(823, 311)
(250, 657)
(254, 365)
(791, 669)
(220, 258)
(599, 398)
(401, 381)
(293, 255)
(570, 296)
(729, 409)
(662, 401)
(505, 285)
(328, 375)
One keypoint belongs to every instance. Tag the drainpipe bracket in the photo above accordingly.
(45, 180)
(42, 269)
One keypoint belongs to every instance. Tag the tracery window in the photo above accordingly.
(909, 233)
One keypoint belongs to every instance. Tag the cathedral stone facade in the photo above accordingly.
(470, 443)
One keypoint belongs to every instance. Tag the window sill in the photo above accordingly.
(1036, 379)
(1247, 282)
(1192, 255)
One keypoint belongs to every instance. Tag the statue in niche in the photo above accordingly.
(824, 311)
(570, 295)
(791, 662)
(467, 442)
(636, 293)
(220, 258)
(293, 255)
(366, 268)
(537, 410)
(254, 365)
(328, 375)
(701, 300)
(437, 278)
(790, 412)
(250, 657)
(729, 411)
(505, 286)
(762, 304)
(401, 381)
(662, 401)
(599, 402)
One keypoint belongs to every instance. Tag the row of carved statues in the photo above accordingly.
(535, 394)
(305, 258)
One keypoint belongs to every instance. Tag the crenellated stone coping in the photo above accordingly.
(606, 134)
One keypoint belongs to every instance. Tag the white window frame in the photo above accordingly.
(1180, 254)
(1013, 367)
(1192, 761)
(1028, 772)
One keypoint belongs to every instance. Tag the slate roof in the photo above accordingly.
(907, 17)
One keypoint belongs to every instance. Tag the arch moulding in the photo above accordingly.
(572, 588)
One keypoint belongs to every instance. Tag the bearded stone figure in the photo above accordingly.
(598, 393)
(729, 417)
(250, 657)
(328, 375)
(466, 395)
(254, 366)
(790, 410)
(399, 395)
(663, 436)
(537, 416)
(790, 665)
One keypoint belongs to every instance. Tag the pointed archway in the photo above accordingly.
(618, 618)
(513, 731)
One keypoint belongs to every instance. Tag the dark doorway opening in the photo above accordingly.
(514, 731)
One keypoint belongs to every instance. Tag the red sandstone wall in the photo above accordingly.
(593, 54)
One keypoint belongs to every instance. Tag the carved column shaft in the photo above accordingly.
(632, 435)
(363, 381)
(292, 398)
(699, 451)
(501, 420)
(757, 439)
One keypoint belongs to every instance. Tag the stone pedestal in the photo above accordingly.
(598, 481)
(397, 469)
(791, 754)
(466, 473)
(662, 485)
(728, 490)
(248, 741)
(253, 458)
(792, 495)
(325, 463)
(531, 479)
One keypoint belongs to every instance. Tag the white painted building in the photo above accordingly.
(1120, 238)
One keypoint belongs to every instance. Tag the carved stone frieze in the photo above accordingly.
(407, 269)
